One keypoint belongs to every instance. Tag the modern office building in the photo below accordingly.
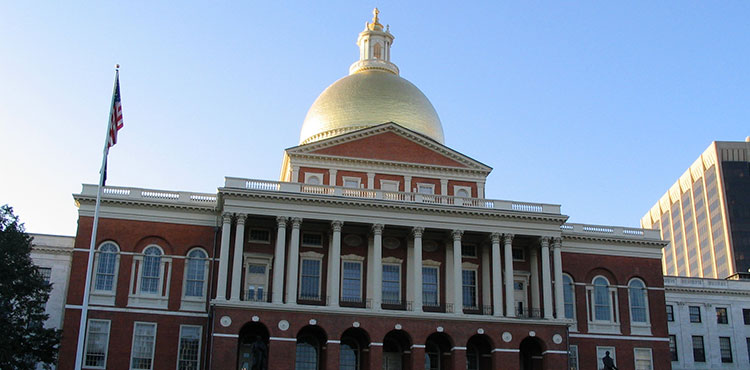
(706, 215)
(377, 250)
(709, 323)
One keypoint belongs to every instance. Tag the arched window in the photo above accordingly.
(376, 51)
(569, 297)
(602, 304)
(196, 273)
(349, 354)
(308, 349)
(638, 302)
(106, 267)
(431, 356)
(151, 275)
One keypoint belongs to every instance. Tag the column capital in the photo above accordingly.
(556, 242)
(508, 238)
(227, 218)
(444, 181)
(457, 234)
(296, 222)
(545, 241)
(337, 225)
(241, 218)
(417, 231)
(377, 229)
(281, 221)
(495, 237)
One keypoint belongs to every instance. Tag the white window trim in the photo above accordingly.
(106, 347)
(310, 255)
(105, 297)
(309, 175)
(457, 188)
(356, 259)
(611, 326)
(436, 266)
(194, 303)
(358, 180)
(250, 258)
(574, 326)
(635, 357)
(302, 238)
(425, 185)
(468, 266)
(640, 328)
(577, 356)
(393, 261)
(729, 319)
(397, 184)
(200, 344)
(153, 345)
(150, 300)
(259, 241)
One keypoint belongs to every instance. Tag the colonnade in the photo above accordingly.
(285, 273)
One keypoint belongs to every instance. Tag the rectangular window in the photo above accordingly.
(573, 358)
(673, 347)
(468, 250)
(351, 282)
(46, 273)
(310, 280)
(747, 341)
(312, 239)
(670, 312)
(643, 359)
(260, 236)
(695, 313)
(426, 188)
(391, 284)
(721, 315)
(256, 282)
(699, 353)
(601, 352)
(388, 185)
(518, 254)
(725, 345)
(469, 283)
(142, 353)
(351, 182)
(97, 341)
(430, 286)
(190, 347)
(746, 315)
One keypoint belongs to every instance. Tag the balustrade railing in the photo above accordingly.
(618, 231)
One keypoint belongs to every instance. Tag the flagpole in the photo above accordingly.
(92, 246)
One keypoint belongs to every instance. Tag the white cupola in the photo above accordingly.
(374, 48)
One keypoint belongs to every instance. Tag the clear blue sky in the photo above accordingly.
(598, 106)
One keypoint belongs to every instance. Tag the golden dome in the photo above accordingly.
(371, 95)
(369, 98)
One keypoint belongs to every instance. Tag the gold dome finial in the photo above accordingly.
(375, 25)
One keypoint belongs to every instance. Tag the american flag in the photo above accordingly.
(115, 113)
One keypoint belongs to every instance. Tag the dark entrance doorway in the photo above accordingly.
(253, 347)
(531, 354)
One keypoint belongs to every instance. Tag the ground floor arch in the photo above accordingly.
(531, 354)
(253, 347)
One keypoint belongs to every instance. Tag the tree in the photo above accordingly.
(24, 341)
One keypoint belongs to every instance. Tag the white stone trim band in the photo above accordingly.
(226, 335)
(506, 350)
(620, 337)
(282, 339)
(137, 310)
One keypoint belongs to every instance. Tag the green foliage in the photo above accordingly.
(23, 293)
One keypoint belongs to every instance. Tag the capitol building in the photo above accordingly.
(377, 248)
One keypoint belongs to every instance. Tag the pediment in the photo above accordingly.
(389, 142)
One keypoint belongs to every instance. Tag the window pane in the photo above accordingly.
(469, 281)
(430, 286)
(310, 288)
(150, 274)
(348, 355)
(698, 352)
(196, 270)
(573, 358)
(695, 313)
(97, 340)
(307, 354)
(143, 346)
(189, 347)
(392, 284)
(721, 315)
(673, 347)
(352, 282)
(568, 297)
(643, 359)
(637, 301)
(725, 345)
(105, 268)
(601, 300)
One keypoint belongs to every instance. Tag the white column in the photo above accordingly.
(486, 288)
(557, 262)
(239, 244)
(497, 292)
(377, 265)
(510, 310)
(221, 282)
(293, 265)
(480, 190)
(443, 187)
(371, 180)
(546, 281)
(295, 174)
(417, 268)
(334, 265)
(332, 177)
(407, 184)
(458, 301)
(448, 279)
(278, 261)
(534, 283)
